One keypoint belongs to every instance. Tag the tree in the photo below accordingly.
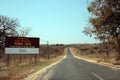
(7, 28)
(11, 27)
(24, 31)
(105, 22)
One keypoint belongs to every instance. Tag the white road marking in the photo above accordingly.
(97, 76)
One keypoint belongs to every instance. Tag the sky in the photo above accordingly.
(56, 21)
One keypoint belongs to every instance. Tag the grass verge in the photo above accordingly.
(97, 58)
(22, 70)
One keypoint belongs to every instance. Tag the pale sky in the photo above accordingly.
(56, 21)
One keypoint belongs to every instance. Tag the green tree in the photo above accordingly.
(105, 22)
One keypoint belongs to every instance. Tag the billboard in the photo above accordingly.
(21, 45)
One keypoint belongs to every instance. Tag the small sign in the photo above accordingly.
(21, 45)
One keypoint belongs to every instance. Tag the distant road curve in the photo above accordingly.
(72, 68)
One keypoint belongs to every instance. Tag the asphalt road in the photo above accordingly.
(72, 68)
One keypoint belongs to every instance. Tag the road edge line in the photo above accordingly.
(97, 76)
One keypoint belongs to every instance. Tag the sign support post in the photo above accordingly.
(35, 58)
(21, 45)
(7, 60)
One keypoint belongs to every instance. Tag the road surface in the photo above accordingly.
(72, 68)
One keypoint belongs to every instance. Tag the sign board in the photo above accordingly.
(21, 45)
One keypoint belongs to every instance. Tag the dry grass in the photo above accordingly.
(98, 58)
(17, 72)
(19, 69)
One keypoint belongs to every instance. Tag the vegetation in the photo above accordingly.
(11, 27)
(94, 52)
(19, 66)
(105, 23)
(22, 65)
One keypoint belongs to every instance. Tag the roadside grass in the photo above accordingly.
(22, 70)
(21, 66)
(98, 58)
(19, 71)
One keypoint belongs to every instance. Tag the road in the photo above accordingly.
(72, 68)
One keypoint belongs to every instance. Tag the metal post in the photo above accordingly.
(48, 50)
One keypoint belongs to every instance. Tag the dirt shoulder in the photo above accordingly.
(95, 60)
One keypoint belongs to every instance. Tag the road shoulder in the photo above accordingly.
(110, 65)
(38, 74)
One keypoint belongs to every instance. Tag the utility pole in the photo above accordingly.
(48, 50)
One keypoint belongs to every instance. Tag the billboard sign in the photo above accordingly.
(21, 45)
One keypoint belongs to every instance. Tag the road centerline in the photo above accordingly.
(97, 76)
